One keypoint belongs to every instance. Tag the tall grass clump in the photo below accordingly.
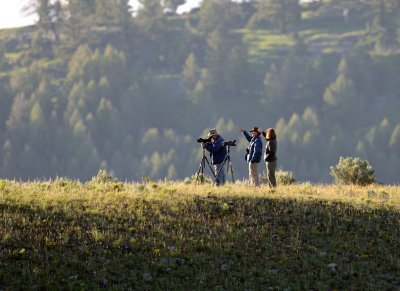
(353, 171)
(198, 178)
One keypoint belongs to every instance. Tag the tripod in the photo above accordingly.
(203, 162)
(228, 162)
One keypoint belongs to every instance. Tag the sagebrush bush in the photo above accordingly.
(353, 171)
(103, 177)
(284, 178)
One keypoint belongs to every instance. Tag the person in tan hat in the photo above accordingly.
(217, 154)
(254, 153)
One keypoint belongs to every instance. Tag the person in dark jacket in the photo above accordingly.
(254, 153)
(217, 154)
(270, 157)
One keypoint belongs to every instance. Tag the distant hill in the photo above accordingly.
(101, 89)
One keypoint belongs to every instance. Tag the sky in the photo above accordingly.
(12, 16)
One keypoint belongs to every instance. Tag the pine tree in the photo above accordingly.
(340, 93)
(273, 92)
(3, 61)
(81, 19)
(394, 141)
(5, 103)
(173, 4)
(19, 112)
(151, 18)
(113, 12)
(36, 117)
(220, 15)
(282, 15)
(50, 17)
(190, 74)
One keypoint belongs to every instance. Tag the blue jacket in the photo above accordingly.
(254, 150)
(217, 151)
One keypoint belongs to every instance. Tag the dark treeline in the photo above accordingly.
(91, 86)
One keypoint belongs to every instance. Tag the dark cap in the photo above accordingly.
(254, 129)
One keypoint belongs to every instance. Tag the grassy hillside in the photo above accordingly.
(170, 236)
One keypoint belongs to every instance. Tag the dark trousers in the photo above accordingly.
(271, 168)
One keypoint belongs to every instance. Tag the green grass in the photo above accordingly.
(13, 56)
(12, 32)
(263, 44)
(172, 236)
(319, 34)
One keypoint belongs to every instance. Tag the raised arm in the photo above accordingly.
(247, 135)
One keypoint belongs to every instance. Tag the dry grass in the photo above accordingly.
(173, 236)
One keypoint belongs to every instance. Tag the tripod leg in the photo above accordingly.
(200, 171)
(221, 168)
(230, 167)
(212, 171)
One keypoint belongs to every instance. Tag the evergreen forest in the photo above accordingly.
(95, 85)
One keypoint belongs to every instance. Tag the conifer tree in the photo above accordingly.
(340, 92)
(273, 91)
(341, 95)
(50, 17)
(81, 19)
(151, 18)
(19, 112)
(113, 12)
(36, 116)
(173, 4)
(283, 14)
(3, 62)
(394, 141)
(220, 15)
(190, 74)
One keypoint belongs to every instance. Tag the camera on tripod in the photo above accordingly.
(205, 140)
(221, 150)
(229, 143)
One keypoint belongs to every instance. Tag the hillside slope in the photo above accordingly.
(147, 236)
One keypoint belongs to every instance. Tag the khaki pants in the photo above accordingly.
(253, 174)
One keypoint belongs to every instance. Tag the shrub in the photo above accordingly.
(284, 178)
(353, 171)
(103, 177)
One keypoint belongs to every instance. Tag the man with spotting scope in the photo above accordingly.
(215, 145)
